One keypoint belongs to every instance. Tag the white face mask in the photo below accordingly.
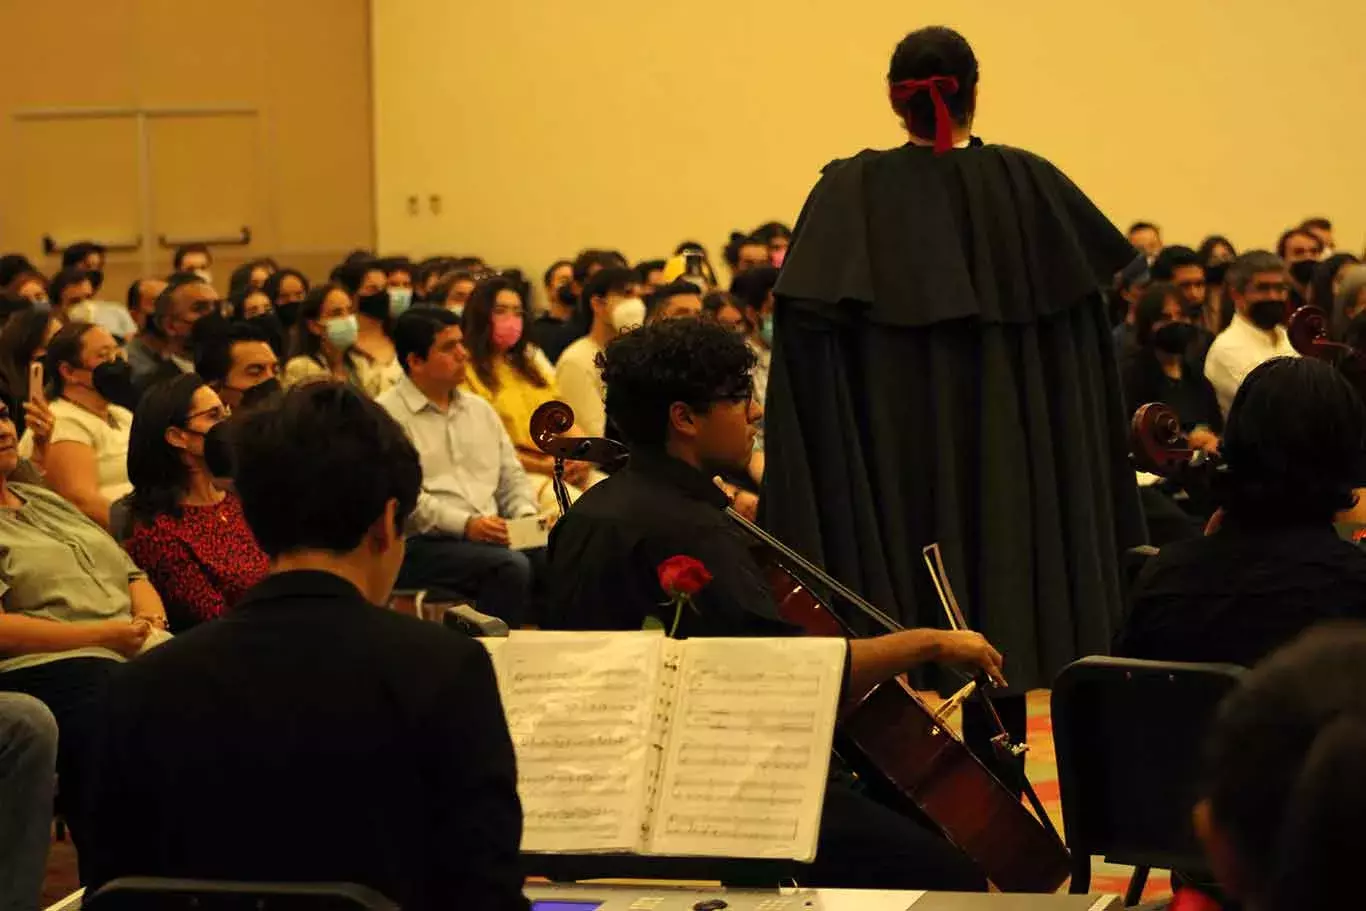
(628, 314)
(205, 274)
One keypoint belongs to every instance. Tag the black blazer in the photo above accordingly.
(310, 736)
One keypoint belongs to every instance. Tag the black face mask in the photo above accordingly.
(375, 306)
(1303, 271)
(1266, 314)
(114, 380)
(567, 296)
(208, 327)
(263, 393)
(96, 277)
(218, 456)
(1173, 338)
(270, 326)
(1215, 272)
(288, 313)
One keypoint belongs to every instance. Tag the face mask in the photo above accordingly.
(628, 314)
(288, 313)
(96, 277)
(1173, 338)
(766, 329)
(566, 295)
(375, 306)
(1303, 271)
(207, 328)
(1215, 272)
(341, 331)
(777, 257)
(400, 299)
(262, 393)
(1266, 314)
(507, 330)
(114, 380)
(205, 274)
(270, 326)
(218, 456)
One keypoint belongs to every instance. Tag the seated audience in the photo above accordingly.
(381, 733)
(87, 461)
(778, 237)
(1300, 250)
(142, 300)
(398, 274)
(11, 264)
(754, 291)
(194, 258)
(1216, 253)
(74, 607)
(287, 289)
(514, 377)
(744, 252)
(165, 347)
(23, 343)
(376, 364)
(70, 288)
(188, 536)
(587, 264)
(237, 363)
(30, 286)
(320, 345)
(678, 299)
(1159, 370)
(1257, 285)
(1322, 229)
(721, 308)
(250, 276)
(453, 291)
(649, 274)
(1349, 307)
(28, 770)
(472, 480)
(610, 295)
(1180, 267)
(545, 329)
(1146, 238)
(1281, 814)
(1293, 450)
(1328, 276)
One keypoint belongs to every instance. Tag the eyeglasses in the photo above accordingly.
(218, 413)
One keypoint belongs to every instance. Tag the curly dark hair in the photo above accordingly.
(1293, 446)
(691, 361)
(478, 325)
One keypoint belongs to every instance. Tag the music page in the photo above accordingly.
(748, 751)
(578, 706)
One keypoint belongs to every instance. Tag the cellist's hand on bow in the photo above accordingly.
(971, 649)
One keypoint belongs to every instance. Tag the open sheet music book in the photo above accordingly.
(630, 742)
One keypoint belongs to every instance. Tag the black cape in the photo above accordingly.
(943, 370)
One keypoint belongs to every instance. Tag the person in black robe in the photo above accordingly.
(943, 370)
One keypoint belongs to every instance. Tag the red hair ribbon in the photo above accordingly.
(903, 91)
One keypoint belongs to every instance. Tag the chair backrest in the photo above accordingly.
(145, 893)
(1129, 737)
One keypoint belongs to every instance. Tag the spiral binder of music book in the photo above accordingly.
(630, 742)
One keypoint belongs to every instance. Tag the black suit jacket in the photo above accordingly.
(308, 735)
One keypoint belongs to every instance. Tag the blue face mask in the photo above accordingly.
(342, 331)
(766, 329)
(400, 299)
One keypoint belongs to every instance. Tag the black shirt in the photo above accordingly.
(1238, 594)
(545, 332)
(605, 552)
(1191, 396)
(310, 736)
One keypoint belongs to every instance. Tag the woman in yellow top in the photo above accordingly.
(515, 377)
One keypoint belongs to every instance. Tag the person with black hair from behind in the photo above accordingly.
(680, 393)
(677, 300)
(1282, 807)
(1293, 450)
(940, 310)
(338, 692)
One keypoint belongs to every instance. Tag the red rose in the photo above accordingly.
(680, 575)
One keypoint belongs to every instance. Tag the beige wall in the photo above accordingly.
(547, 126)
(294, 164)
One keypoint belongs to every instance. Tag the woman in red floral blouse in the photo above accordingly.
(188, 536)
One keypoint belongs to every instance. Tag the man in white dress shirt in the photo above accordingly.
(472, 481)
(1259, 286)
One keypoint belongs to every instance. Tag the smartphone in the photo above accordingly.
(35, 383)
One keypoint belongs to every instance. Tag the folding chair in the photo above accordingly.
(1129, 737)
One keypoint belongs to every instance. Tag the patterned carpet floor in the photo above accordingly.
(62, 878)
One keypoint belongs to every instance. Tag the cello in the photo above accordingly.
(1307, 330)
(889, 735)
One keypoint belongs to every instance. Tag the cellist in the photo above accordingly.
(679, 391)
